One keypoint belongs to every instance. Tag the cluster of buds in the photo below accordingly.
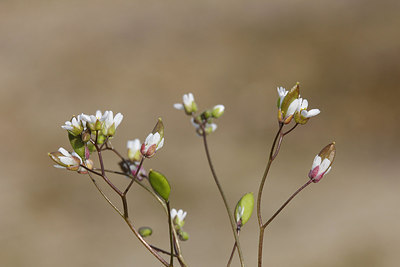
(204, 121)
(290, 105)
(178, 219)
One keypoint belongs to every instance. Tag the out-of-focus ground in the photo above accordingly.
(59, 58)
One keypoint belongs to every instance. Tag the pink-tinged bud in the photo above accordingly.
(70, 161)
(322, 163)
(154, 140)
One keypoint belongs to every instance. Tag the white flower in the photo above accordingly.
(239, 213)
(152, 143)
(111, 122)
(134, 149)
(76, 126)
(93, 118)
(302, 114)
(188, 104)
(178, 217)
(105, 122)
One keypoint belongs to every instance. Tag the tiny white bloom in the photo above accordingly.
(180, 214)
(189, 105)
(76, 125)
(302, 114)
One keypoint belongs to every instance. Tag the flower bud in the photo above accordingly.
(66, 160)
(244, 209)
(145, 231)
(287, 103)
(206, 115)
(134, 150)
(86, 136)
(154, 140)
(322, 163)
(183, 236)
(218, 110)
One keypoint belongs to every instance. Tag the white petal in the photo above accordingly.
(178, 106)
(292, 108)
(64, 152)
(98, 114)
(304, 104)
(312, 113)
(59, 167)
(324, 166)
(67, 161)
(317, 161)
(160, 145)
(173, 213)
(117, 120)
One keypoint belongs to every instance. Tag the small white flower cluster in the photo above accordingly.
(106, 122)
(290, 105)
(205, 120)
(178, 219)
(178, 215)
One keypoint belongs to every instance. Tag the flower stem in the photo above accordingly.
(171, 243)
(233, 251)
(231, 219)
(285, 204)
(272, 156)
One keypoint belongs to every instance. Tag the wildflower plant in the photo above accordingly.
(90, 136)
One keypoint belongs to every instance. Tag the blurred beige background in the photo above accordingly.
(59, 58)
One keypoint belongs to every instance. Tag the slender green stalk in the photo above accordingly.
(228, 210)
(233, 251)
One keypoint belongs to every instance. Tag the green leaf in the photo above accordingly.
(77, 144)
(159, 184)
(247, 203)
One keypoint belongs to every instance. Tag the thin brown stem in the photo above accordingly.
(152, 251)
(233, 251)
(135, 176)
(228, 210)
(285, 204)
(272, 156)
(163, 251)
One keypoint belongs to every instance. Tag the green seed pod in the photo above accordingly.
(244, 208)
(145, 231)
(159, 184)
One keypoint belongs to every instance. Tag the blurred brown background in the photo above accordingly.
(59, 58)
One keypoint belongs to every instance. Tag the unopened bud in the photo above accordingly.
(218, 110)
(145, 231)
(322, 163)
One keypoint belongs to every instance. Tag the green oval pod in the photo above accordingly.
(159, 184)
(247, 204)
(145, 231)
